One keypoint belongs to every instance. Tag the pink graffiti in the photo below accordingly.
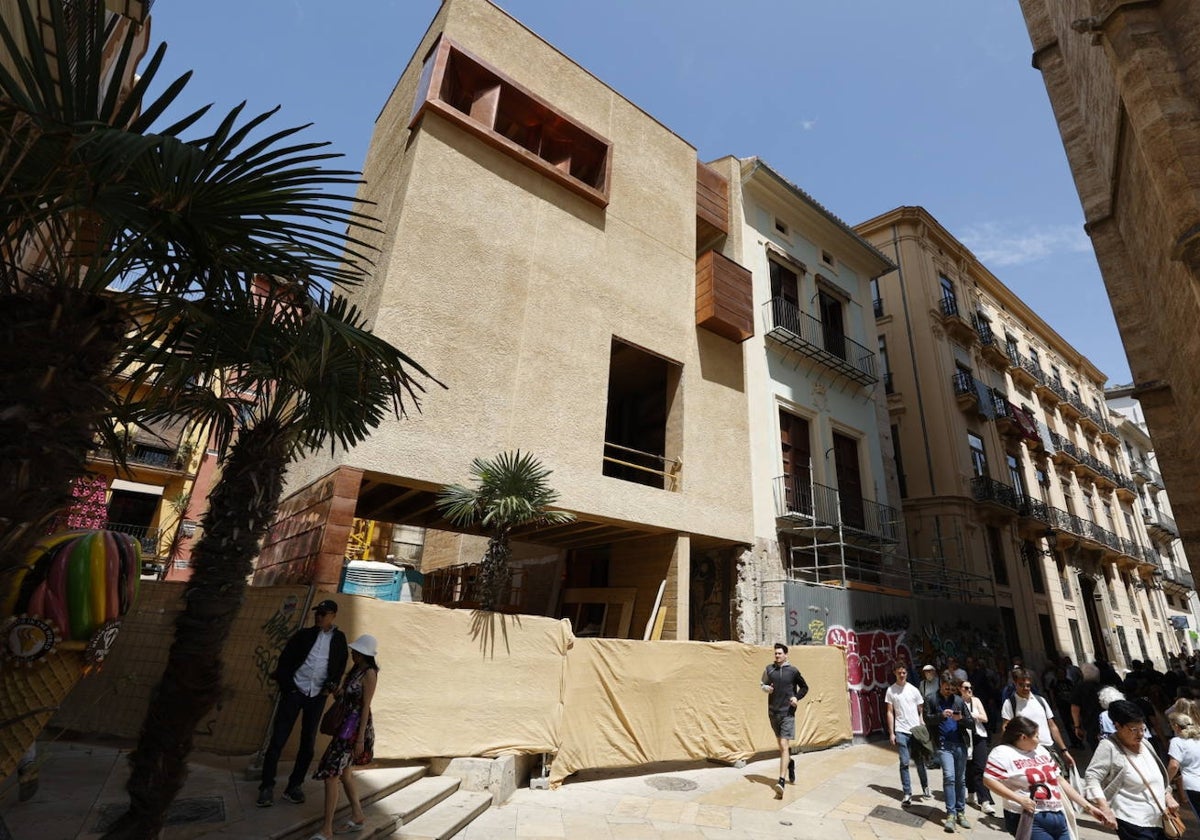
(871, 656)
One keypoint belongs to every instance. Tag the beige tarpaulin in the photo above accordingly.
(630, 703)
(460, 682)
(467, 683)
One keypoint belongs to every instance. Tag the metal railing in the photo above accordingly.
(145, 456)
(1147, 472)
(1155, 518)
(877, 305)
(824, 342)
(949, 306)
(649, 465)
(964, 383)
(146, 536)
(825, 506)
(1179, 576)
(985, 489)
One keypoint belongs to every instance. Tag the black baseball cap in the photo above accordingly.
(326, 606)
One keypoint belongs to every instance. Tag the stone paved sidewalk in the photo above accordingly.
(849, 793)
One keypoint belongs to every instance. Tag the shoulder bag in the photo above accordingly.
(335, 717)
(1172, 825)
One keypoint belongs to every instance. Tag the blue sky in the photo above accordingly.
(866, 104)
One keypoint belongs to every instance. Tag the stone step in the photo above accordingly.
(448, 817)
(285, 821)
(412, 801)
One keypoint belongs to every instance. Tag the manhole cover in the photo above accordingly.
(897, 815)
(671, 783)
(197, 809)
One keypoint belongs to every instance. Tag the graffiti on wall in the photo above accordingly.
(878, 631)
(275, 634)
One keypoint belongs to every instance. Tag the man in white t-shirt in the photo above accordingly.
(905, 707)
(1025, 703)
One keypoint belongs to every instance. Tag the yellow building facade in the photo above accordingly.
(1012, 464)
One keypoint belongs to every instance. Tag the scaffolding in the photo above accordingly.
(854, 543)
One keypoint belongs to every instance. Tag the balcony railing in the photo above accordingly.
(823, 342)
(146, 456)
(649, 468)
(964, 384)
(985, 489)
(1179, 576)
(1157, 520)
(146, 536)
(1143, 470)
(949, 306)
(877, 305)
(797, 496)
(1061, 444)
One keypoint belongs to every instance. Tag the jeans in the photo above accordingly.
(902, 739)
(1047, 825)
(292, 704)
(954, 776)
(976, 763)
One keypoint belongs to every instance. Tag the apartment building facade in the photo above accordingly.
(1124, 83)
(823, 499)
(1175, 574)
(1013, 469)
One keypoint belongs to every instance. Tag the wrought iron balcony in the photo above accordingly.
(990, 491)
(146, 536)
(949, 306)
(964, 384)
(1147, 473)
(1063, 447)
(1178, 576)
(808, 504)
(1031, 508)
(819, 341)
(146, 456)
(1159, 523)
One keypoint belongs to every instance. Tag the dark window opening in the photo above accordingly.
(850, 485)
(1047, 630)
(995, 547)
(896, 454)
(641, 432)
(1008, 620)
(1033, 556)
(832, 324)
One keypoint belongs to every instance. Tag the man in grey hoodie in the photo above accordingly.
(785, 688)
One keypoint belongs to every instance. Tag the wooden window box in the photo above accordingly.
(474, 95)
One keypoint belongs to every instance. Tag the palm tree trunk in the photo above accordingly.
(56, 348)
(240, 510)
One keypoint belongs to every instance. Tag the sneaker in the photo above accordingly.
(963, 821)
(294, 795)
(791, 771)
(906, 802)
(989, 809)
(948, 825)
(266, 798)
(924, 793)
(779, 788)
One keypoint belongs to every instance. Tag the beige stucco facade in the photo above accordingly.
(1013, 468)
(511, 290)
(1123, 78)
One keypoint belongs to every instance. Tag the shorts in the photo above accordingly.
(783, 725)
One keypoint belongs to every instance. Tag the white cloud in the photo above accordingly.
(808, 125)
(999, 245)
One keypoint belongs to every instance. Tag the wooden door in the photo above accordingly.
(797, 462)
(850, 489)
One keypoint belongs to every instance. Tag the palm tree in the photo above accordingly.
(292, 374)
(98, 191)
(510, 491)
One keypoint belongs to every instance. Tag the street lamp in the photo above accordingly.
(1032, 551)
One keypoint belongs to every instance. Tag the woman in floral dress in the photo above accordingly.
(354, 743)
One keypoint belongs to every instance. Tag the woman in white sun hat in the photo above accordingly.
(354, 742)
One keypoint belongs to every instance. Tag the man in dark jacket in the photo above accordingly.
(785, 688)
(310, 667)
